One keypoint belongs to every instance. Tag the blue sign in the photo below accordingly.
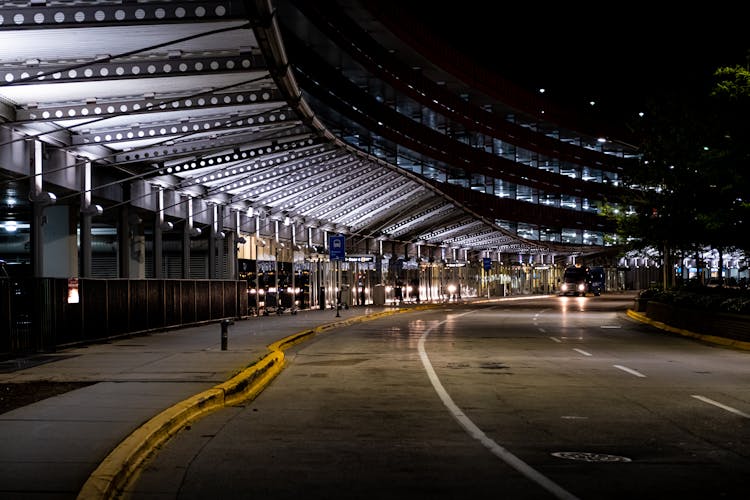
(487, 263)
(336, 247)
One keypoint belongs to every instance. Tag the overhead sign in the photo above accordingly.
(360, 258)
(336, 246)
(487, 263)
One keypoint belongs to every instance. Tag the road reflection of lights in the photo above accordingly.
(581, 303)
(567, 305)
(564, 304)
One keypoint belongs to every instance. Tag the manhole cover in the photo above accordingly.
(589, 457)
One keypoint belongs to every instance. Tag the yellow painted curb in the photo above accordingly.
(120, 467)
(251, 381)
(739, 344)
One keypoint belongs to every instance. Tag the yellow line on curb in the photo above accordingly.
(713, 339)
(120, 467)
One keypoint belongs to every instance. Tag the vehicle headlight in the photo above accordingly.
(581, 287)
(564, 287)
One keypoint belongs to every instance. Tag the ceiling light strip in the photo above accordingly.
(61, 16)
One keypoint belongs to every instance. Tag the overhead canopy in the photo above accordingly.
(200, 98)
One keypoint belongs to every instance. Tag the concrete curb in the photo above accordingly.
(713, 339)
(121, 466)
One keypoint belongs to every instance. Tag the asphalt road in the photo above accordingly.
(530, 399)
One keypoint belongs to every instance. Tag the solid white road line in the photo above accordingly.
(582, 352)
(478, 434)
(630, 370)
(722, 406)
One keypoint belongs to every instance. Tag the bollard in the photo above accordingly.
(225, 333)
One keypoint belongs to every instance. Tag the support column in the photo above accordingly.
(232, 250)
(188, 232)
(124, 238)
(158, 249)
(379, 268)
(220, 255)
(87, 211)
(212, 235)
(39, 200)
(186, 251)
(137, 247)
(60, 245)
(160, 225)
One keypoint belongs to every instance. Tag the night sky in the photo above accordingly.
(620, 59)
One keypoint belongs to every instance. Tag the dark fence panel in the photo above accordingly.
(189, 312)
(5, 319)
(155, 303)
(217, 300)
(138, 306)
(35, 314)
(94, 296)
(119, 307)
(172, 302)
(230, 306)
(43, 323)
(20, 313)
(202, 300)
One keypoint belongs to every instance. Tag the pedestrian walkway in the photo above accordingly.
(50, 449)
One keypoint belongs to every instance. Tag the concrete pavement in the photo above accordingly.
(87, 443)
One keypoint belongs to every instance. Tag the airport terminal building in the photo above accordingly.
(166, 163)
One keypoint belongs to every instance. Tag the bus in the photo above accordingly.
(596, 280)
(579, 280)
(575, 281)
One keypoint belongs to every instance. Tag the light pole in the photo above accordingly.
(338, 288)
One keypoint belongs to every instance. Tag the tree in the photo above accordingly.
(729, 222)
(692, 182)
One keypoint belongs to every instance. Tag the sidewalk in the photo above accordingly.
(49, 449)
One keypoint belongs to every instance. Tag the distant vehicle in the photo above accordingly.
(714, 282)
(580, 280)
(723, 283)
(575, 281)
(596, 280)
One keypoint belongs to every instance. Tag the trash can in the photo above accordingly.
(346, 296)
(378, 295)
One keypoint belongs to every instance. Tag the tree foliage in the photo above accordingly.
(694, 173)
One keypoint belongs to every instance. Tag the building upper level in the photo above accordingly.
(319, 117)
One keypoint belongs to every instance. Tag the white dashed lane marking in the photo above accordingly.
(629, 370)
(722, 406)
